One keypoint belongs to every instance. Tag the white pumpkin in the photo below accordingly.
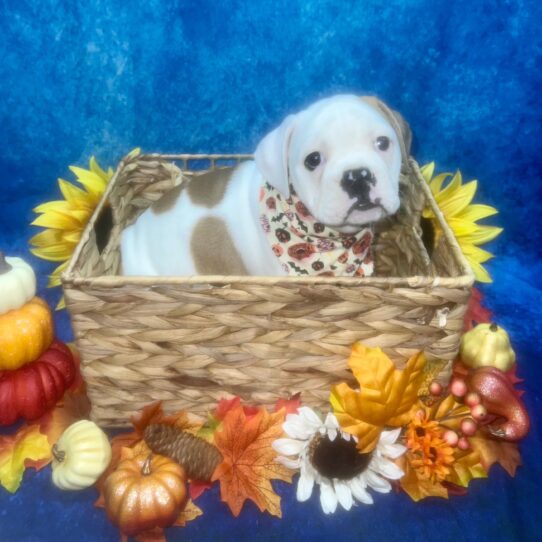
(17, 283)
(80, 456)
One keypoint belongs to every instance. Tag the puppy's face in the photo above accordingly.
(343, 158)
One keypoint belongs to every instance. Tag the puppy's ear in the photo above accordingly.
(397, 121)
(271, 156)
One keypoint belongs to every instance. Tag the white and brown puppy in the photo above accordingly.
(316, 182)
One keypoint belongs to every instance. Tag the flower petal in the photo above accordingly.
(436, 184)
(94, 184)
(387, 468)
(95, 168)
(304, 486)
(376, 482)
(389, 437)
(449, 191)
(427, 170)
(54, 253)
(393, 451)
(287, 446)
(360, 493)
(297, 428)
(292, 464)
(310, 417)
(344, 494)
(483, 234)
(328, 499)
(476, 253)
(480, 273)
(46, 237)
(459, 201)
(477, 212)
(72, 194)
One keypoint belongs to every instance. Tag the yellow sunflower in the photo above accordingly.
(66, 219)
(454, 200)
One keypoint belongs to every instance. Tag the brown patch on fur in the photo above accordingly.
(213, 250)
(167, 201)
(208, 189)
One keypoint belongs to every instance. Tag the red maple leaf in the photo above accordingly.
(476, 312)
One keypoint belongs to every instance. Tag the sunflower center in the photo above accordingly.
(337, 458)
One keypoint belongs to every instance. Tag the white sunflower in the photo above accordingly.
(328, 456)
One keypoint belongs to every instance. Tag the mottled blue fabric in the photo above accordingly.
(101, 77)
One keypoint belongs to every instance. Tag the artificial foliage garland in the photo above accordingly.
(396, 429)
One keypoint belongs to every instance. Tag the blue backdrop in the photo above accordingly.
(82, 78)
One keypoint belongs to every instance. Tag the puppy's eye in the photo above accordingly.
(312, 161)
(382, 143)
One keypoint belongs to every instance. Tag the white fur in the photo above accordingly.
(343, 129)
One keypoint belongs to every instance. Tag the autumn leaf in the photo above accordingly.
(495, 451)
(476, 313)
(27, 444)
(197, 488)
(290, 405)
(207, 430)
(385, 397)
(227, 404)
(417, 487)
(249, 460)
(466, 467)
(189, 513)
(73, 407)
(448, 413)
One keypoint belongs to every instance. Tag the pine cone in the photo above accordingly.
(197, 456)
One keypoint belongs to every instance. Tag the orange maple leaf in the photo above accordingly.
(249, 460)
(495, 451)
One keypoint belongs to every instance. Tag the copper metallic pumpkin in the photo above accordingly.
(25, 333)
(145, 492)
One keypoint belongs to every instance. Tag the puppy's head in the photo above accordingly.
(342, 156)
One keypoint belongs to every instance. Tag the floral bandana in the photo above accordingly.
(307, 247)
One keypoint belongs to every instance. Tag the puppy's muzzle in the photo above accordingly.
(357, 184)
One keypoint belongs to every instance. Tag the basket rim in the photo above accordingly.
(71, 278)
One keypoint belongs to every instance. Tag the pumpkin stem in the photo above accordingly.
(493, 326)
(146, 469)
(4, 265)
(59, 455)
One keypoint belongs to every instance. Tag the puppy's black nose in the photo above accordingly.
(357, 183)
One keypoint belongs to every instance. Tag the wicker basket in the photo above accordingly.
(189, 341)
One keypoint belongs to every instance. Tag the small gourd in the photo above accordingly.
(25, 333)
(145, 492)
(17, 283)
(487, 345)
(80, 456)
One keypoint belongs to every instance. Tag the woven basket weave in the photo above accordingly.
(190, 340)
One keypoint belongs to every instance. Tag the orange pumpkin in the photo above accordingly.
(25, 333)
(145, 492)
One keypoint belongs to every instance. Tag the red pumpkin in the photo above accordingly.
(32, 390)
